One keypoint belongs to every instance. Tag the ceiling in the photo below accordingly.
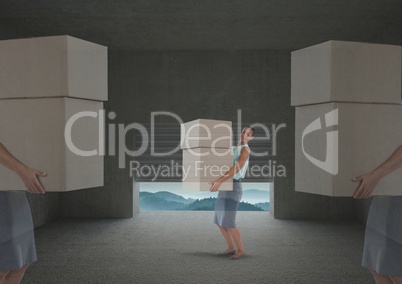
(205, 24)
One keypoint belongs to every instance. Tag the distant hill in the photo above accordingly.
(244, 206)
(264, 206)
(156, 203)
(202, 204)
(209, 204)
(168, 196)
(164, 200)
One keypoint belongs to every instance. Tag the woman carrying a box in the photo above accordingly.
(382, 253)
(227, 202)
(17, 245)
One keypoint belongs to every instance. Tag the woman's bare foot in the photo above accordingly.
(229, 251)
(237, 255)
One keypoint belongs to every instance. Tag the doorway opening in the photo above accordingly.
(171, 196)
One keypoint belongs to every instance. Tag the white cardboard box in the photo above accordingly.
(346, 140)
(339, 71)
(199, 170)
(33, 131)
(206, 133)
(61, 66)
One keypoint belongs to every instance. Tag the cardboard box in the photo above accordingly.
(339, 71)
(338, 141)
(56, 66)
(206, 133)
(203, 165)
(33, 131)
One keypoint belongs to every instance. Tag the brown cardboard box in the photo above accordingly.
(339, 71)
(338, 141)
(206, 133)
(33, 131)
(199, 170)
(61, 66)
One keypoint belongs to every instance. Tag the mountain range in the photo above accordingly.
(164, 200)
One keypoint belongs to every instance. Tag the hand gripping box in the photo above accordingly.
(338, 141)
(55, 66)
(340, 71)
(33, 130)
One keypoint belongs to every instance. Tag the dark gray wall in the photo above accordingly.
(199, 84)
(203, 84)
(113, 200)
(362, 209)
(44, 207)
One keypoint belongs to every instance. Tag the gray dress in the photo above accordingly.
(227, 201)
(17, 246)
(383, 238)
(226, 206)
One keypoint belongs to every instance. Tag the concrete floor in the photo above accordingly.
(181, 247)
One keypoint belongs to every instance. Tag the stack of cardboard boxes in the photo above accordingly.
(207, 153)
(43, 83)
(348, 115)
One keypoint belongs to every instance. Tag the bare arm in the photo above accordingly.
(244, 154)
(369, 181)
(28, 175)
